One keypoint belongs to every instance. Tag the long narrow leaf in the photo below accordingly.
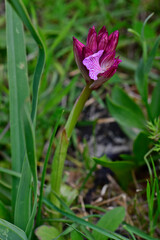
(141, 80)
(84, 223)
(152, 55)
(10, 172)
(19, 90)
(31, 156)
(58, 164)
(23, 203)
(45, 167)
(155, 102)
(20, 9)
(138, 232)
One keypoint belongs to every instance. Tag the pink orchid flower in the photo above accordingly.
(96, 60)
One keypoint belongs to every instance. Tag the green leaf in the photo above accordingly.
(144, 25)
(18, 88)
(11, 232)
(122, 169)
(31, 156)
(62, 203)
(124, 116)
(23, 203)
(58, 115)
(58, 164)
(130, 132)
(138, 232)
(10, 172)
(67, 230)
(155, 102)
(152, 55)
(116, 166)
(21, 11)
(110, 221)
(76, 236)
(81, 221)
(68, 194)
(86, 233)
(141, 80)
(121, 98)
(47, 233)
(140, 148)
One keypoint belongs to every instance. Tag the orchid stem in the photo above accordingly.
(77, 109)
(62, 147)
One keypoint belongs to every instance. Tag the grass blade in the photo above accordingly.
(31, 156)
(45, 167)
(155, 101)
(138, 232)
(10, 172)
(21, 11)
(84, 223)
(23, 203)
(152, 55)
(19, 90)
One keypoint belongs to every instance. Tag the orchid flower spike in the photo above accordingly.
(96, 60)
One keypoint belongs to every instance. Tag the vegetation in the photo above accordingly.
(40, 82)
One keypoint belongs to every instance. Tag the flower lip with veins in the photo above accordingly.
(97, 60)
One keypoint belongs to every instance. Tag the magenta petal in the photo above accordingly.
(102, 42)
(86, 52)
(117, 61)
(107, 60)
(112, 41)
(92, 64)
(90, 32)
(92, 39)
(111, 71)
(102, 30)
(103, 78)
(77, 49)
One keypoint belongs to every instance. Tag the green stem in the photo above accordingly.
(77, 109)
(61, 150)
(147, 162)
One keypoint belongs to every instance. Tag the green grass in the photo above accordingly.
(49, 89)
